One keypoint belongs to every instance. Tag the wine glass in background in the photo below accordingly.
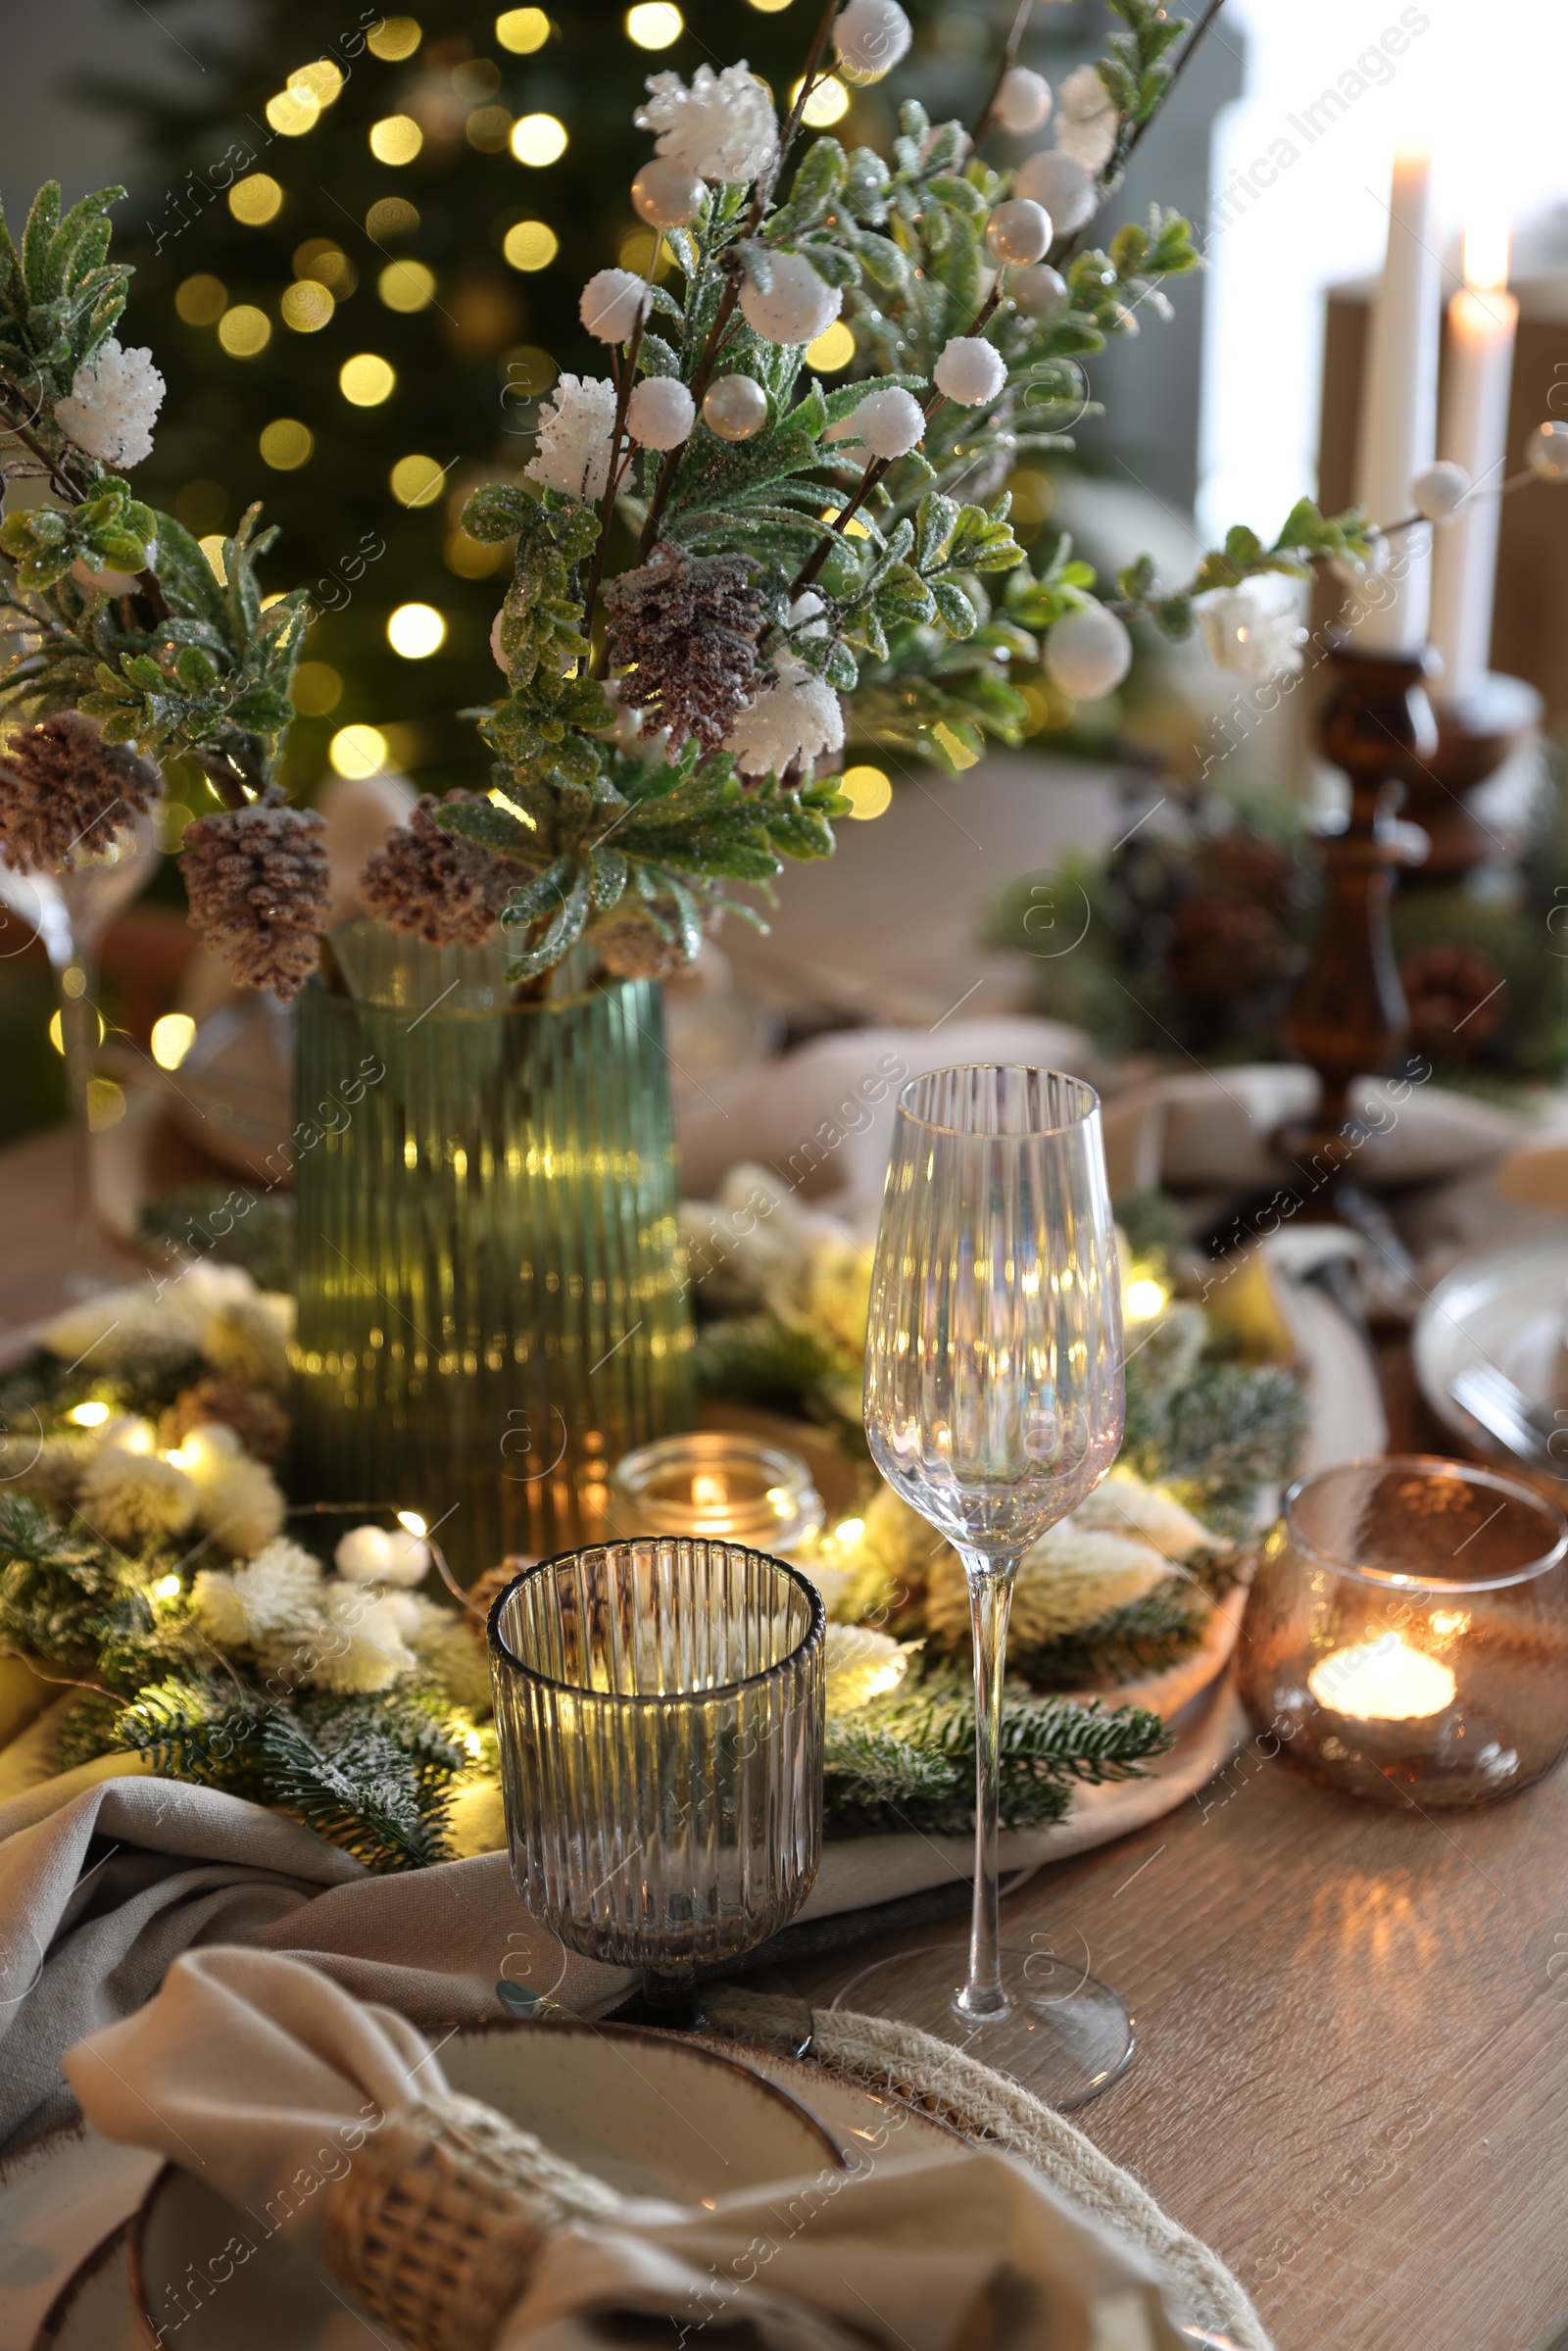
(70, 913)
(994, 1406)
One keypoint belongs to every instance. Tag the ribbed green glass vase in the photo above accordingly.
(491, 1307)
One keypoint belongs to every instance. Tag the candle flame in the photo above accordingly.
(1486, 255)
(710, 1493)
(1382, 1680)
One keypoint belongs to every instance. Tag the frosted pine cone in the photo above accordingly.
(65, 793)
(113, 405)
(257, 1419)
(689, 625)
(422, 879)
(260, 890)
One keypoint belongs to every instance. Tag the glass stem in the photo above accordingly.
(990, 1605)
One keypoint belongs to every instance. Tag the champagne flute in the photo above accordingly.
(994, 1406)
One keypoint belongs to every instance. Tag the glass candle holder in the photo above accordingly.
(720, 1485)
(659, 1709)
(1407, 1635)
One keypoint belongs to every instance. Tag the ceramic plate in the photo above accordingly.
(1500, 1306)
(651, 2114)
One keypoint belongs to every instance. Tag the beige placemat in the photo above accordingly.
(990, 2108)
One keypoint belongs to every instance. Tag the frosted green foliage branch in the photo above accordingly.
(906, 1761)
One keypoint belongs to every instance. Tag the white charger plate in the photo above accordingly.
(1500, 1306)
(652, 2114)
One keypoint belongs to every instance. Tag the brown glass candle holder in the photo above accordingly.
(1406, 1634)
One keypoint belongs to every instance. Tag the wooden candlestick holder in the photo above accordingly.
(1348, 1018)
(1475, 732)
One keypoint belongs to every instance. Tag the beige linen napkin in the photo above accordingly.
(284, 2094)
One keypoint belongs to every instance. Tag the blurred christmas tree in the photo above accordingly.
(357, 265)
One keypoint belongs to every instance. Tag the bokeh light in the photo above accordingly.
(366, 380)
(868, 791)
(286, 444)
(654, 24)
(391, 216)
(415, 630)
(321, 79)
(395, 37)
(530, 245)
(396, 139)
(174, 1035)
(315, 689)
(358, 751)
(256, 200)
(244, 330)
(833, 349)
(405, 285)
(201, 301)
(417, 480)
(305, 306)
(538, 140)
(327, 263)
(292, 113)
(522, 31)
(488, 128)
(828, 103)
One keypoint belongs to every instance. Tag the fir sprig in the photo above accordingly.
(906, 1761)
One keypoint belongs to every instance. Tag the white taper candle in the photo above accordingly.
(1483, 318)
(1399, 407)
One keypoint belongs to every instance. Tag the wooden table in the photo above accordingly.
(1351, 2074)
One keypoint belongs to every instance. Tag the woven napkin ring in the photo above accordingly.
(435, 2224)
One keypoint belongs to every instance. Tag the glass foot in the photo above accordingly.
(1064, 2036)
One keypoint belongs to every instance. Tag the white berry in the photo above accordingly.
(1019, 230)
(661, 412)
(970, 371)
(1039, 290)
(365, 1554)
(613, 302)
(797, 306)
(1440, 490)
(665, 194)
(1061, 184)
(1088, 651)
(870, 37)
(890, 422)
(735, 408)
(1547, 453)
(1023, 101)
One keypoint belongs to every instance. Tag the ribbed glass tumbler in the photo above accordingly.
(660, 1708)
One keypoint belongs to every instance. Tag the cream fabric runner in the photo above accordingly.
(104, 1879)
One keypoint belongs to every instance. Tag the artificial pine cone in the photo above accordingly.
(687, 626)
(257, 1419)
(260, 890)
(422, 879)
(65, 793)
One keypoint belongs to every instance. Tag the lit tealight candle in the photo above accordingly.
(1382, 1680)
(718, 1484)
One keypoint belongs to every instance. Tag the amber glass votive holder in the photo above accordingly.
(659, 1712)
(1406, 1634)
